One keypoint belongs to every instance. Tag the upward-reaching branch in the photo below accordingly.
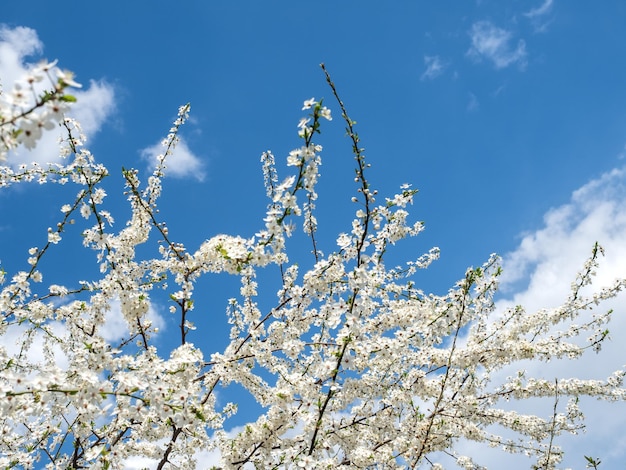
(368, 195)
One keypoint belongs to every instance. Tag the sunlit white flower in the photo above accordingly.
(308, 104)
(67, 79)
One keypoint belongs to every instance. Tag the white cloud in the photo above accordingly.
(18, 46)
(541, 10)
(596, 212)
(94, 105)
(537, 16)
(182, 163)
(494, 44)
(434, 67)
(538, 274)
(15, 45)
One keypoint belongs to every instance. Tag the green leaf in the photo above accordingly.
(68, 98)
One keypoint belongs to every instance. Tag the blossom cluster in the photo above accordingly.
(353, 365)
(36, 103)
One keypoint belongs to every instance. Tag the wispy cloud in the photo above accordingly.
(20, 49)
(541, 10)
(434, 67)
(621, 155)
(183, 163)
(473, 104)
(495, 45)
(538, 15)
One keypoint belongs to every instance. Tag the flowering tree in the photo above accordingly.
(353, 364)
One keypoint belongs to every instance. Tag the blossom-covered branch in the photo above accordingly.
(352, 364)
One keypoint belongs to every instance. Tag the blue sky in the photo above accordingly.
(509, 116)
